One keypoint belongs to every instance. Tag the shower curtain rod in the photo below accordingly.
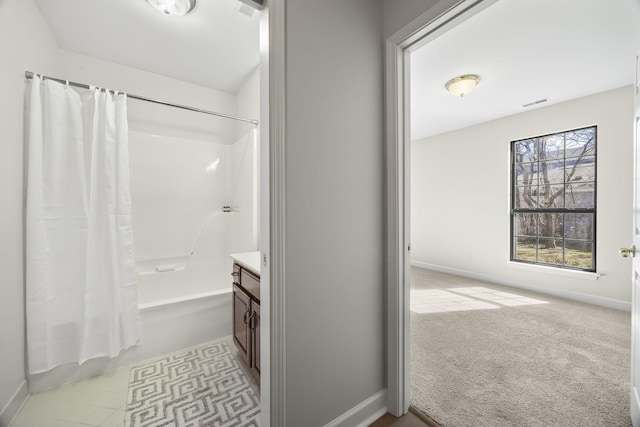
(29, 75)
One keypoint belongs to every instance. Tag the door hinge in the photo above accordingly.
(409, 247)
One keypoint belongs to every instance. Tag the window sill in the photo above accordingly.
(586, 275)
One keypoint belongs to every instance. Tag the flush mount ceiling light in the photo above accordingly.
(173, 7)
(462, 85)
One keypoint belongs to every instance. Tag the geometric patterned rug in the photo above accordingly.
(196, 387)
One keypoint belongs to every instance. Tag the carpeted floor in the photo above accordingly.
(490, 355)
(196, 387)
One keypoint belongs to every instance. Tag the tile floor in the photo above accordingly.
(466, 298)
(99, 401)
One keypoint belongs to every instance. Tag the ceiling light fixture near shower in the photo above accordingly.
(462, 85)
(173, 7)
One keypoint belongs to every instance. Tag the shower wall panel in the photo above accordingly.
(192, 206)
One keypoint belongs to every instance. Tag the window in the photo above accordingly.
(553, 199)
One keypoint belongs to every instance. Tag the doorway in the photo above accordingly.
(67, 72)
(399, 179)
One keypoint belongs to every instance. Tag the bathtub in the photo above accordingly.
(166, 326)
(180, 308)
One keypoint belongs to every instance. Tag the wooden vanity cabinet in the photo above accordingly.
(246, 315)
(241, 333)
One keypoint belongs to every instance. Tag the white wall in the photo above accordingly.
(26, 44)
(398, 13)
(334, 208)
(153, 118)
(460, 194)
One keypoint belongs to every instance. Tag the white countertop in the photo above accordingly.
(250, 260)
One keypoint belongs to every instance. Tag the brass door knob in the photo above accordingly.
(628, 252)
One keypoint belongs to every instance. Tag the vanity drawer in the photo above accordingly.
(250, 282)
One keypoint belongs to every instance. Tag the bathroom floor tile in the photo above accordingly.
(74, 412)
(98, 401)
(103, 399)
(99, 416)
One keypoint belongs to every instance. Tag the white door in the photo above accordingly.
(635, 299)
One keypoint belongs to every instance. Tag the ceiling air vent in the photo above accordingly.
(539, 101)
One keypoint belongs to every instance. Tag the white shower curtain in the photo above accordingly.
(81, 298)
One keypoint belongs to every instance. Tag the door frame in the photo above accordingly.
(635, 262)
(440, 18)
(272, 208)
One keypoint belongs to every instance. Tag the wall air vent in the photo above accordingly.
(539, 101)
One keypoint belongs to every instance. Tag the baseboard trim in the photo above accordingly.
(570, 295)
(364, 413)
(16, 402)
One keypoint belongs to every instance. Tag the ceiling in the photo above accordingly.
(215, 45)
(523, 51)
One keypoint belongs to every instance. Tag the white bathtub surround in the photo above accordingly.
(250, 260)
(81, 296)
(180, 188)
(183, 240)
(244, 194)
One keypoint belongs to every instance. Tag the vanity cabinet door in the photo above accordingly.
(241, 331)
(255, 336)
